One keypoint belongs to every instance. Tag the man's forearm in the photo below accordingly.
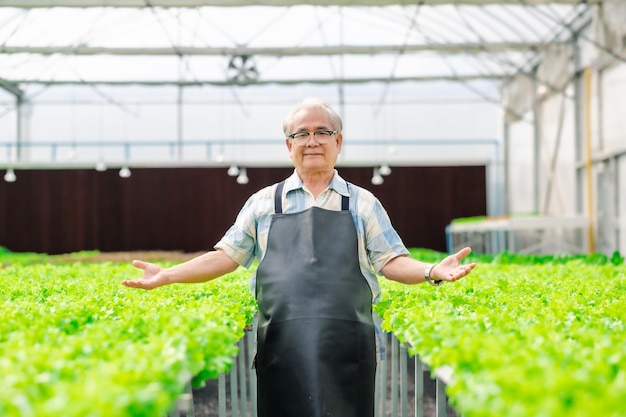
(202, 268)
(405, 270)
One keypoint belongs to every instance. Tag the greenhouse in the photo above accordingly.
(142, 127)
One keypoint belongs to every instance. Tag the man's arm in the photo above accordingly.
(411, 271)
(205, 267)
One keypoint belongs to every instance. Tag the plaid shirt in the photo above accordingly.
(378, 242)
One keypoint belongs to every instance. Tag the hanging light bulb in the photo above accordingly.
(385, 170)
(233, 170)
(10, 175)
(125, 172)
(101, 166)
(242, 178)
(377, 179)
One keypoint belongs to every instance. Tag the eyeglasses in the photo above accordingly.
(322, 137)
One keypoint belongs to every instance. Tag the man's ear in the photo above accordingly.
(339, 141)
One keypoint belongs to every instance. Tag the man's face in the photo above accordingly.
(311, 157)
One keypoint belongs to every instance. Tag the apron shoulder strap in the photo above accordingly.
(345, 201)
(278, 199)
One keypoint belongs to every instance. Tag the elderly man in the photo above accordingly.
(320, 242)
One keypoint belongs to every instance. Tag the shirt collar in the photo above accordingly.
(337, 183)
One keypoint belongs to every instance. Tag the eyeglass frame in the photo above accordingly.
(316, 135)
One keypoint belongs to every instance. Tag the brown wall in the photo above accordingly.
(189, 209)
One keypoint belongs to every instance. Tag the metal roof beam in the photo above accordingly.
(191, 83)
(11, 87)
(27, 4)
(279, 51)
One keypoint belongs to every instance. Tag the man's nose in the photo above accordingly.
(311, 138)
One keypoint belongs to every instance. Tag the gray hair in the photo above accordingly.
(313, 103)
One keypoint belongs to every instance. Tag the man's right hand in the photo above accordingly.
(153, 276)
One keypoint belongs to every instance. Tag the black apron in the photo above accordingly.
(316, 349)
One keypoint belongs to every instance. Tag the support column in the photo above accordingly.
(536, 145)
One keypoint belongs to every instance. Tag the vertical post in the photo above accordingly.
(619, 230)
(234, 400)
(243, 370)
(191, 412)
(449, 239)
(419, 387)
(377, 389)
(382, 391)
(221, 395)
(506, 150)
(184, 404)
(510, 240)
(579, 127)
(440, 400)
(252, 376)
(209, 151)
(404, 386)
(179, 126)
(394, 376)
(181, 76)
(588, 160)
(536, 145)
(19, 108)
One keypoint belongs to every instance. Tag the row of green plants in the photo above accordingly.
(531, 336)
(76, 343)
(521, 339)
(9, 257)
(507, 258)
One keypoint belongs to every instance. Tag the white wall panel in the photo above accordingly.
(557, 172)
(614, 108)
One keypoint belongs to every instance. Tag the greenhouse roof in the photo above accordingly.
(249, 42)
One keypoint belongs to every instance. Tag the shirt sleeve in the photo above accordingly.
(382, 241)
(239, 242)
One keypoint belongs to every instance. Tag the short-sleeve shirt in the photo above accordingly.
(378, 241)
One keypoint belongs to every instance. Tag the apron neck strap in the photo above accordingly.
(278, 199)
